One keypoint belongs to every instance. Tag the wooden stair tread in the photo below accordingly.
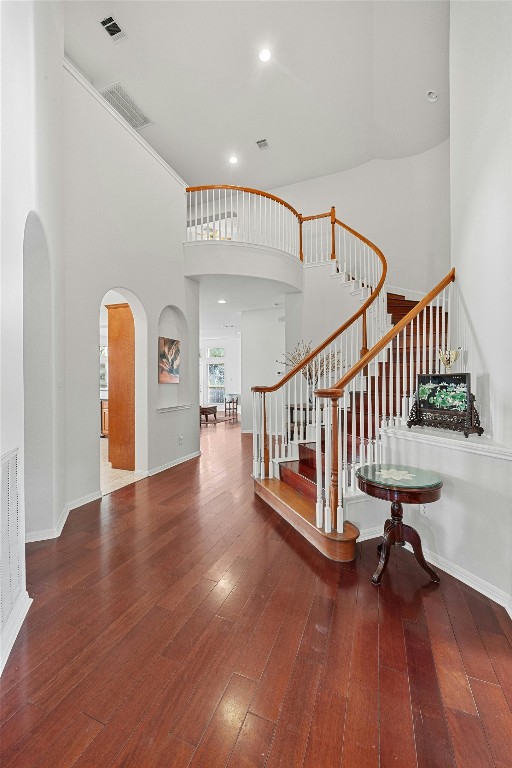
(299, 511)
(294, 475)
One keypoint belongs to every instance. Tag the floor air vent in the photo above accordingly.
(122, 102)
(11, 545)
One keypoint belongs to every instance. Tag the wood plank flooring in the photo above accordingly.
(180, 622)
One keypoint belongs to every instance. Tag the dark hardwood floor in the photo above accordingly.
(179, 622)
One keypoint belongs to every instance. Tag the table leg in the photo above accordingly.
(384, 550)
(412, 536)
(395, 532)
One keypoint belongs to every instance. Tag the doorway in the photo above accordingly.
(121, 375)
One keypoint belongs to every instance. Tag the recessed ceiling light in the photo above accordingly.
(221, 301)
(265, 55)
(432, 95)
(233, 159)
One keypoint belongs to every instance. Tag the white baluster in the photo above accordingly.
(339, 508)
(255, 436)
(377, 395)
(328, 438)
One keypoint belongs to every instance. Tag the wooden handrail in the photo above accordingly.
(339, 388)
(246, 189)
(345, 325)
(317, 216)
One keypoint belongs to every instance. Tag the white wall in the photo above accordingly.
(481, 183)
(469, 527)
(124, 218)
(231, 360)
(323, 306)
(31, 182)
(403, 206)
(262, 345)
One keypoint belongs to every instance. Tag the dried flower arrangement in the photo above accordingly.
(317, 368)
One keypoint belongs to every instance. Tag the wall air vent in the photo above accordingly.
(122, 102)
(111, 26)
(262, 144)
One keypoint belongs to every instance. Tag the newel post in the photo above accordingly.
(333, 491)
(266, 456)
(333, 238)
(301, 254)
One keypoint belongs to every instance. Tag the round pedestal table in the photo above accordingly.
(399, 485)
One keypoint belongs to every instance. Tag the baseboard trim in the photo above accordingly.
(480, 585)
(54, 533)
(13, 625)
(370, 533)
(174, 463)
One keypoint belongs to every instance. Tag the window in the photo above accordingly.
(215, 382)
(215, 352)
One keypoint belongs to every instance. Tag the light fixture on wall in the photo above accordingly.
(264, 55)
(432, 96)
(221, 301)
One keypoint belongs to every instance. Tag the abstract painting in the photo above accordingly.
(168, 361)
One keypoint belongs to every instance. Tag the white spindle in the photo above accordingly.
(339, 508)
(318, 460)
(327, 473)
(377, 413)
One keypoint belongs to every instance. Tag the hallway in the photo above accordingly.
(179, 622)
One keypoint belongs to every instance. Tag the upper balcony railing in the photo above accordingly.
(222, 212)
(228, 213)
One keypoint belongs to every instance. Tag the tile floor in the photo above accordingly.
(112, 479)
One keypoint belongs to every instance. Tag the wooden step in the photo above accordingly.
(299, 511)
(300, 477)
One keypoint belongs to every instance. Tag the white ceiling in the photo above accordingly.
(346, 84)
(240, 294)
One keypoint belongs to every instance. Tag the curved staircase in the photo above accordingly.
(324, 418)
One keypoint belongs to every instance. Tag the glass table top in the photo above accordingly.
(398, 476)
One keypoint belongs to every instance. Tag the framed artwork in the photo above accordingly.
(444, 400)
(168, 360)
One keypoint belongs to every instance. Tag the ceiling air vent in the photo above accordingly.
(111, 26)
(262, 144)
(120, 100)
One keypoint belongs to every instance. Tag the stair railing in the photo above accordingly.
(224, 212)
(377, 390)
(284, 415)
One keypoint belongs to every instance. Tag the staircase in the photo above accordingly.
(301, 473)
(324, 418)
(315, 474)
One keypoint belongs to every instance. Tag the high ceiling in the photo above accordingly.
(346, 82)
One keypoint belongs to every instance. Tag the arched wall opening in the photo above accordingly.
(119, 295)
(38, 381)
(173, 326)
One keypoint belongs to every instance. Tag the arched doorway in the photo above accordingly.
(123, 390)
(38, 381)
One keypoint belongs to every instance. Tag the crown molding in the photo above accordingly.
(74, 72)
